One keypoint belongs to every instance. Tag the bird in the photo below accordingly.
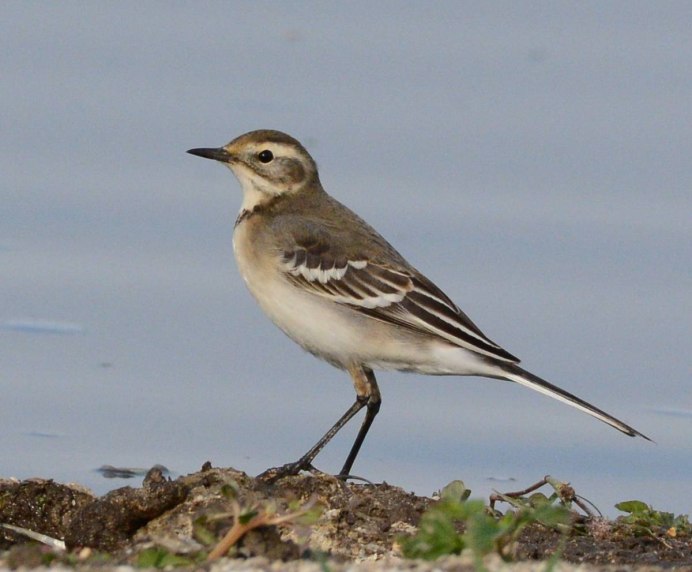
(338, 289)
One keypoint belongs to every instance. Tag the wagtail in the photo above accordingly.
(343, 293)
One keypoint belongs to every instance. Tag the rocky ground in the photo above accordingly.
(309, 522)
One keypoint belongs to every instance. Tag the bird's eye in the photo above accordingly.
(265, 156)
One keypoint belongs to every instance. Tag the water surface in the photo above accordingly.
(533, 160)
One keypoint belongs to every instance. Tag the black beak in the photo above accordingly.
(218, 154)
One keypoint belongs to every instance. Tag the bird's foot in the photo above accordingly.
(348, 477)
(288, 470)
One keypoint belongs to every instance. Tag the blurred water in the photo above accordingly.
(532, 159)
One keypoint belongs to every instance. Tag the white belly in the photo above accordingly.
(336, 332)
(321, 328)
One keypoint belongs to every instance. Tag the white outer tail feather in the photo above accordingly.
(522, 377)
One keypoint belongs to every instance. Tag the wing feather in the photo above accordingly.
(400, 296)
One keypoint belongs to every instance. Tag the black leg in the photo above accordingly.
(305, 462)
(372, 408)
(368, 395)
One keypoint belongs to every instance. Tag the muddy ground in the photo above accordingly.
(177, 523)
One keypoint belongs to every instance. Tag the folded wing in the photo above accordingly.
(400, 296)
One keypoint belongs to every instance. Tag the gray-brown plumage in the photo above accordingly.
(341, 291)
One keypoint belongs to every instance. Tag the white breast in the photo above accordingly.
(336, 332)
(319, 327)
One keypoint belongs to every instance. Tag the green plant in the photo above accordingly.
(455, 523)
(157, 557)
(247, 517)
(644, 520)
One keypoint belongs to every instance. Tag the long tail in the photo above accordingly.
(514, 373)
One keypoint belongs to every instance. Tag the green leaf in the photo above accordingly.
(436, 536)
(247, 516)
(538, 499)
(483, 532)
(157, 557)
(201, 532)
(455, 491)
(552, 515)
(632, 506)
(230, 490)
